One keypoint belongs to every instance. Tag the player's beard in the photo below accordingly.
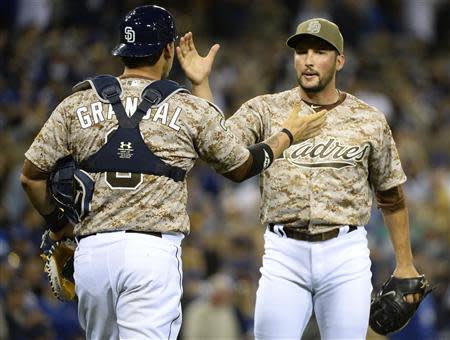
(323, 82)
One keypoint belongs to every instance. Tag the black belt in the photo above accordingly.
(153, 233)
(303, 235)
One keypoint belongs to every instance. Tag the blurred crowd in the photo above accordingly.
(398, 59)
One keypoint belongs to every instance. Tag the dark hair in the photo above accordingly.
(134, 62)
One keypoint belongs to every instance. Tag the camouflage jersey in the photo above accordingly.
(179, 131)
(325, 181)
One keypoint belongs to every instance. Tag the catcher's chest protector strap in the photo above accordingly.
(125, 150)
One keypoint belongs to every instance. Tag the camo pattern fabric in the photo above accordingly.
(180, 131)
(326, 181)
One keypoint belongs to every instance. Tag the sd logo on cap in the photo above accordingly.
(321, 28)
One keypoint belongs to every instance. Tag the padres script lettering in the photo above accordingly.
(330, 154)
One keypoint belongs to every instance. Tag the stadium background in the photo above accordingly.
(398, 59)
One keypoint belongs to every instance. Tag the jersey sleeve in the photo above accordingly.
(247, 123)
(385, 169)
(51, 143)
(216, 145)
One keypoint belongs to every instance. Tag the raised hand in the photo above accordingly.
(196, 67)
(304, 127)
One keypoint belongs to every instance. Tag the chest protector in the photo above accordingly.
(125, 150)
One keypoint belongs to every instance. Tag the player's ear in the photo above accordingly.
(340, 61)
(169, 50)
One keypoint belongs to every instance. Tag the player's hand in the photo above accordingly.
(404, 272)
(196, 67)
(305, 126)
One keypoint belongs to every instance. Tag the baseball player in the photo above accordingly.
(317, 197)
(128, 261)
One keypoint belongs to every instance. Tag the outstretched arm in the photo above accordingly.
(196, 67)
(300, 127)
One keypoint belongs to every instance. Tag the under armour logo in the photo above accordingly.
(124, 145)
(125, 150)
(130, 35)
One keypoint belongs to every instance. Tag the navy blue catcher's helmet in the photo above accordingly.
(145, 31)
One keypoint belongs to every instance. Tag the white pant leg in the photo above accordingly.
(144, 277)
(149, 302)
(96, 308)
(343, 286)
(283, 299)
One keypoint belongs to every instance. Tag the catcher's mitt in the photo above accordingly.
(58, 258)
(389, 312)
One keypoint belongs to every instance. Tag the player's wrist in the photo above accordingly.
(405, 271)
(202, 89)
(56, 220)
(201, 83)
(289, 134)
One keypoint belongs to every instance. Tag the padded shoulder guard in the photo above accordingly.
(389, 312)
(102, 85)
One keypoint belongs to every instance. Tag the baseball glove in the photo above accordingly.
(389, 312)
(58, 257)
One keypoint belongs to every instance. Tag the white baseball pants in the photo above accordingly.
(129, 285)
(332, 277)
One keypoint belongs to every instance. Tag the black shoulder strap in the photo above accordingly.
(154, 94)
(108, 89)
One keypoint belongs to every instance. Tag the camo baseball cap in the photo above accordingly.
(321, 28)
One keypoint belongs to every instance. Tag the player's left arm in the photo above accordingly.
(387, 176)
(34, 182)
(395, 215)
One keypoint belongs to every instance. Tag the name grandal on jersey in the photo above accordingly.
(98, 112)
